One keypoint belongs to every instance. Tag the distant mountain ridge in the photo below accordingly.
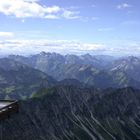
(19, 81)
(99, 71)
(130, 65)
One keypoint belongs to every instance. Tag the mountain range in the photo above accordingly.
(70, 97)
(19, 81)
(99, 71)
(21, 76)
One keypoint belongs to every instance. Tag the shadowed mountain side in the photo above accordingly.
(61, 113)
(18, 80)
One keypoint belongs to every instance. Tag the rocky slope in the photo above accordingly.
(70, 113)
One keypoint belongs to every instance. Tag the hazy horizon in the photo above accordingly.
(65, 54)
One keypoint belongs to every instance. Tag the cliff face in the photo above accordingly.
(70, 113)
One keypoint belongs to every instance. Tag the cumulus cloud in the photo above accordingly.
(6, 35)
(95, 18)
(123, 6)
(31, 8)
(105, 29)
(31, 0)
(123, 47)
(131, 22)
(36, 46)
(51, 16)
(70, 15)
(26, 47)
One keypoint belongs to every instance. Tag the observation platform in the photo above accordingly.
(7, 108)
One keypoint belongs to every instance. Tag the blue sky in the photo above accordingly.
(70, 26)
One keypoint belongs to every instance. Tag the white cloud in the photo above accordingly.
(95, 18)
(36, 46)
(6, 35)
(65, 46)
(53, 9)
(123, 6)
(70, 14)
(51, 16)
(131, 22)
(31, 0)
(31, 8)
(123, 47)
(105, 29)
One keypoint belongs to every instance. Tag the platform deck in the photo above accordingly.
(7, 108)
